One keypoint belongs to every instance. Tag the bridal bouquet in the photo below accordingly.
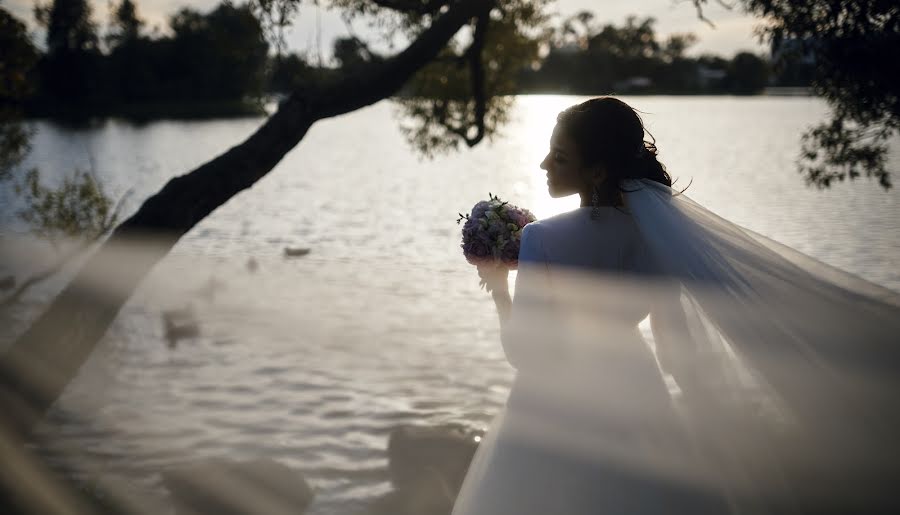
(492, 232)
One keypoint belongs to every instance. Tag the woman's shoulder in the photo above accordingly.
(541, 238)
(576, 238)
(581, 219)
(558, 221)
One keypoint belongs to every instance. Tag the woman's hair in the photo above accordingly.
(610, 133)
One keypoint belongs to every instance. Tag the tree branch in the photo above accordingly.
(387, 77)
(42, 361)
(476, 69)
(698, 5)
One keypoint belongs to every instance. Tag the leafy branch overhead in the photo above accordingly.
(849, 42)
(462, 97)
(456, 98)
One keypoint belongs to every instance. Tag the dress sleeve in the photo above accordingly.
(521, 335)
(531, 248)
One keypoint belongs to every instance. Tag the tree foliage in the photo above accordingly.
(456, 99)
(748, 73)
(127, 25)
(16, 82)
(587, 58)
(212, 61)
(275, 17)
(219, 55)
(850, 41)
(79, 208)
(462, 97)
(71, 67)
(70, 28)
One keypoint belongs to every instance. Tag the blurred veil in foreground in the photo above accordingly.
(780, 372)
(785, 371)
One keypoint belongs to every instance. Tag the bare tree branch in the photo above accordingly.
(698, 4)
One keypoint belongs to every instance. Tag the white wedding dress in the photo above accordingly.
(783, 394)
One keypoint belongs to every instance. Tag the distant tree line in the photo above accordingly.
(219, 63)
(586, 58)
(215, 60)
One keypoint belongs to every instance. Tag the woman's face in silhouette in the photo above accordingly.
(566, 174)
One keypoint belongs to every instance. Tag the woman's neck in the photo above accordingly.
(587, 200)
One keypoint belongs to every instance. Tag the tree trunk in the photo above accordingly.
(42, 361)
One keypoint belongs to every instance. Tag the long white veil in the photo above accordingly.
(783, 377)
(790, 369)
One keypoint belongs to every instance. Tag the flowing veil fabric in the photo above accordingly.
(791, 371)
(787, 374)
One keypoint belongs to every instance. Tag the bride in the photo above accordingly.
(766, 381)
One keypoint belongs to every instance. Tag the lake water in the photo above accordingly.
(311, 361)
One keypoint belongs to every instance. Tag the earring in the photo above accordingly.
(596, 212)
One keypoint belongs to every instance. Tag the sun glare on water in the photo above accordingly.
(538, 117)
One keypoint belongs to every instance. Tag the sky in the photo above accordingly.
(733, 31)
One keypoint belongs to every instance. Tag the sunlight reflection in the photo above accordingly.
(538, 116)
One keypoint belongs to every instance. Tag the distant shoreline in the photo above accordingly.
(157, 111)
(766, 92)
(151, 111)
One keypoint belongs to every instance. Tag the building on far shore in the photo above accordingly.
(788, 91)
(633, 85)
(708, 77)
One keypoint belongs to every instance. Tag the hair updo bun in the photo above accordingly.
(610, 133)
